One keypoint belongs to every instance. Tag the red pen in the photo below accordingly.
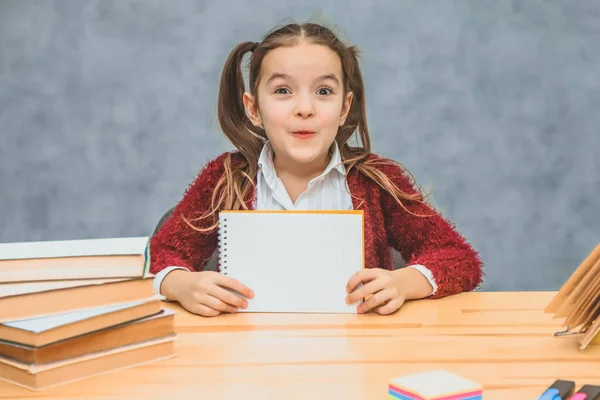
(578, 396)
(587, 392)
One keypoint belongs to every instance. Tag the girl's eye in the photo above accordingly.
(324, 91)
(281, 91)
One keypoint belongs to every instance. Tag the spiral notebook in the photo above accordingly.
(294, 261)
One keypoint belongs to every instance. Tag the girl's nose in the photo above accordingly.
(304, 108)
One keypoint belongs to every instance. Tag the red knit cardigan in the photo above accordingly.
(430, 241)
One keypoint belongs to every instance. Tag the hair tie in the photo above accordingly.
(254, 46)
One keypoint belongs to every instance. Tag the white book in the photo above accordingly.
(74, 259)
(294, 261)
(126, 246)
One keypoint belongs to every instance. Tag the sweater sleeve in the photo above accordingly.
(430, 240)
(176, 244)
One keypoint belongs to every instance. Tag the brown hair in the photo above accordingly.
(234, 186)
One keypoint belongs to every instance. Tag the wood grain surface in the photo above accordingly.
(502, 340)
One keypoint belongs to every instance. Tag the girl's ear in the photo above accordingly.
(346, 108)
(252, 109)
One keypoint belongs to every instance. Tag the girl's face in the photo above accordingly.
(300, 102)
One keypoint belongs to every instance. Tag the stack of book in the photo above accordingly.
(74, 309)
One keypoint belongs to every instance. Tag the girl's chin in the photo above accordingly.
(308, 156)
(305, 152)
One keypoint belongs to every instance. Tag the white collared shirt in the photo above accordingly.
(328, 191)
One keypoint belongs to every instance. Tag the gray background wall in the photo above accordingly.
(107, 111)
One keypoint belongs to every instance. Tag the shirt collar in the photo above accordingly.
(266, 165)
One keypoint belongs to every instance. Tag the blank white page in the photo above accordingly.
(293, 261)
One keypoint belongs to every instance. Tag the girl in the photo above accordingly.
(291, 130)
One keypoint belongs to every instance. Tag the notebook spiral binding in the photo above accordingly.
(223, 246)
(568, 332)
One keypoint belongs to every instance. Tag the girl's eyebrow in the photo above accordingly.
(330, 77)
(278, 75)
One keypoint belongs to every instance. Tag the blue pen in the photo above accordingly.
(550, 394)
(559, 390)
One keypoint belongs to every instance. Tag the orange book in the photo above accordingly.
(36, 299)
(47, 375)
(140, 330)
(39, 332)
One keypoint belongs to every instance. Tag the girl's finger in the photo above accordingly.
(362, 276)
(376, 300)
(391, 306)
(365, 290)
(217, 304)
(228, 297)
(200, 309)
(230, 283)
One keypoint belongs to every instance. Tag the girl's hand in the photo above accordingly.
(386, 291)
(205, 293)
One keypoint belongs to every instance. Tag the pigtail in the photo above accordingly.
(232, 190)
(233, 120)
(356, 122)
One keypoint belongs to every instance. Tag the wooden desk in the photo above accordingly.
(502, 340)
